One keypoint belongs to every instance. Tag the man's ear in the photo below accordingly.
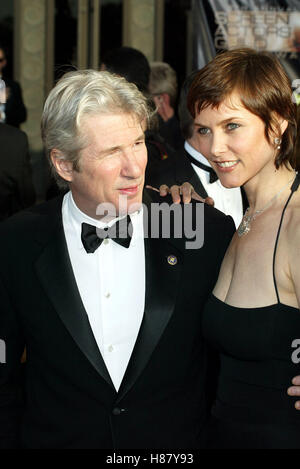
(62, 166)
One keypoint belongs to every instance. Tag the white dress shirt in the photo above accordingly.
(228, 201)
(111, 283)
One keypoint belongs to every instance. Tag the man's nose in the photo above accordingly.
(131, 166)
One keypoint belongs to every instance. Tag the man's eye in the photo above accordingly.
(203, 130)
(232, 126)
(138, 144)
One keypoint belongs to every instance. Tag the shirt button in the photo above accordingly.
(116, 411)
(107, 295)
(110, 348)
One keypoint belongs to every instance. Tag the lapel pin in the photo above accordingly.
(172, 260)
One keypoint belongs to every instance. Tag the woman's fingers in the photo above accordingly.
(186, 191)
(164, 190)
(209, 201)
(152, 188)
(175, 192)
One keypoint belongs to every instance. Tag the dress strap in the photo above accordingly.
(294, 187)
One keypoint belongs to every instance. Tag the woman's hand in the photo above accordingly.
(186, 190)
(295, 390)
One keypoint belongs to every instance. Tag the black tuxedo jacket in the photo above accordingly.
(180, 170)
(71, 401)
(16, 188)
(15, 110)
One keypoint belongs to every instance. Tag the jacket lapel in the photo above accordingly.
(55, 273)
(162, 281)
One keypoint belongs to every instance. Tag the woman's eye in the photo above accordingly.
(203, 130)
(232, 126)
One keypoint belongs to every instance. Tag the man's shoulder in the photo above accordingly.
(195, 217)
(212, 214)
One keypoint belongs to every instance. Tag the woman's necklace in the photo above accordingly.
(245, 225)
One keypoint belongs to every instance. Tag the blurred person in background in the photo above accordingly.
(129, 63)
(133, 65)
(16, 188)
(163, 88)
(13, 111)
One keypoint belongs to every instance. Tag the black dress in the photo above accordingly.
(252, 408)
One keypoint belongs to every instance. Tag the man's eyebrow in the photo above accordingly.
(230, 119)
(140, 137)
(109, 150)
(117, 147)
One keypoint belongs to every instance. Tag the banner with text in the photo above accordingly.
(262, 25)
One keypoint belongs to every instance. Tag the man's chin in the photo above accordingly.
(131, 207)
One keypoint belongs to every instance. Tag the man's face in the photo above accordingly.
(2, 60)
(112, 165)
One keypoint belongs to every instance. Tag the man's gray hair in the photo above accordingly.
(77, 95)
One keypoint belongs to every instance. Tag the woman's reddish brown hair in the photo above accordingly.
(263, 87)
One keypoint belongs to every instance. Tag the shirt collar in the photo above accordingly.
(196, 154)
(76, 217)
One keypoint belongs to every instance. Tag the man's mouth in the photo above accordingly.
(129, 190)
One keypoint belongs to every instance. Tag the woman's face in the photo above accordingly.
(233, 140)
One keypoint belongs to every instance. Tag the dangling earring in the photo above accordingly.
(277, 142)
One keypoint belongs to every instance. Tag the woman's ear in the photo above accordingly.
(279, 126)
(62, 166)
(283, 123)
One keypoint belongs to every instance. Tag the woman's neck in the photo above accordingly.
(262, 188)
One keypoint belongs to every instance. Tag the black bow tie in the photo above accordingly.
(120, 232)
(212, 174)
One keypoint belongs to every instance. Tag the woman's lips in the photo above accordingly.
(226, 166)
